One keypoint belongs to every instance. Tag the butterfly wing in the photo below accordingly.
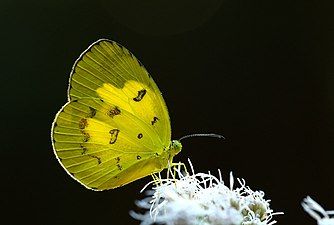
(109, 71)
(116, 123)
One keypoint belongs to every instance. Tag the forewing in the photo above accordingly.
(109, 71)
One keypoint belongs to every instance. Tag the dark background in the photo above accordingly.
(259, 72)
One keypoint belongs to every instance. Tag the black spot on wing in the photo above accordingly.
(114, 111)
(83, 123)
(92, 112)
(155, 119)
(119, 166)
(86, 136)
(84, 149)
(140, 95)
(113, 135)
(117, 159)
(96, 157)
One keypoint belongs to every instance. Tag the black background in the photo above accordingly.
(259, 72)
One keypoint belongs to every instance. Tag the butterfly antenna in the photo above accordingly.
(202, 135)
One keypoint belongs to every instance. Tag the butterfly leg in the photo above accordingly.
(156, 179)
(177, 168)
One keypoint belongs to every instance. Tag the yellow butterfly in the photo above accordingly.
(115, 127)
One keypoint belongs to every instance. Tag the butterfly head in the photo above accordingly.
(175, 147)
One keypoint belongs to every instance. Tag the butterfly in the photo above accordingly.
(115, 127)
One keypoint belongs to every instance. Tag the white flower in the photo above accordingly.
(317, 212)
(203, 199)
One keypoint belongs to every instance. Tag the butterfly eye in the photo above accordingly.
(175, 147)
